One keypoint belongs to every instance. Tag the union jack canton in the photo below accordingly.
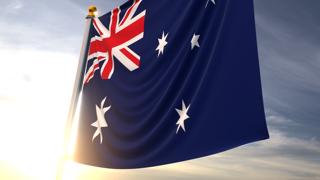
(115, 41)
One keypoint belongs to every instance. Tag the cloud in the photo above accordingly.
(289, 61)
(13, 7)
(42, 25)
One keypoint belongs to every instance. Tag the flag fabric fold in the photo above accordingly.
(168, 81)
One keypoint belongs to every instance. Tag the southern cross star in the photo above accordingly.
(162, 43)
(183, 116)
(195, 41)
(101, 121)
(211, 1)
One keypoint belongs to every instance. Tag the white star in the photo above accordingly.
(183, 116)
(195, 41)
(162, 43)
(211, 1)
(101, 121)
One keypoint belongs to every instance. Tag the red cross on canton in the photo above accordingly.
(114, 42)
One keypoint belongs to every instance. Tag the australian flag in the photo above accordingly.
(168, 81)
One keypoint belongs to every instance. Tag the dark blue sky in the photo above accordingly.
(288, 33)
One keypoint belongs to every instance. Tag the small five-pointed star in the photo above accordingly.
(195, 41)
(162, 43)
(101, 121)
(183, 116)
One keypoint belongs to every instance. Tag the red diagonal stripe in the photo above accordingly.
(128, 12)
(97, 27)
(129, 55)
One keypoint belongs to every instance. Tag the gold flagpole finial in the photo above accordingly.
(93, 12)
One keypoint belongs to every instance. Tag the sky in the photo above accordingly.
(40, 44)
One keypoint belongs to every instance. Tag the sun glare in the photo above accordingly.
(34, 101)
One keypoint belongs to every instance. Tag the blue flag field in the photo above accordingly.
(168, 81)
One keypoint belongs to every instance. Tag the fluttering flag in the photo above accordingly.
(168, 81)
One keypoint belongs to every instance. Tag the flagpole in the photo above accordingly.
(77, 88)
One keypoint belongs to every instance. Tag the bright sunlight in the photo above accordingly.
(34, 102)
